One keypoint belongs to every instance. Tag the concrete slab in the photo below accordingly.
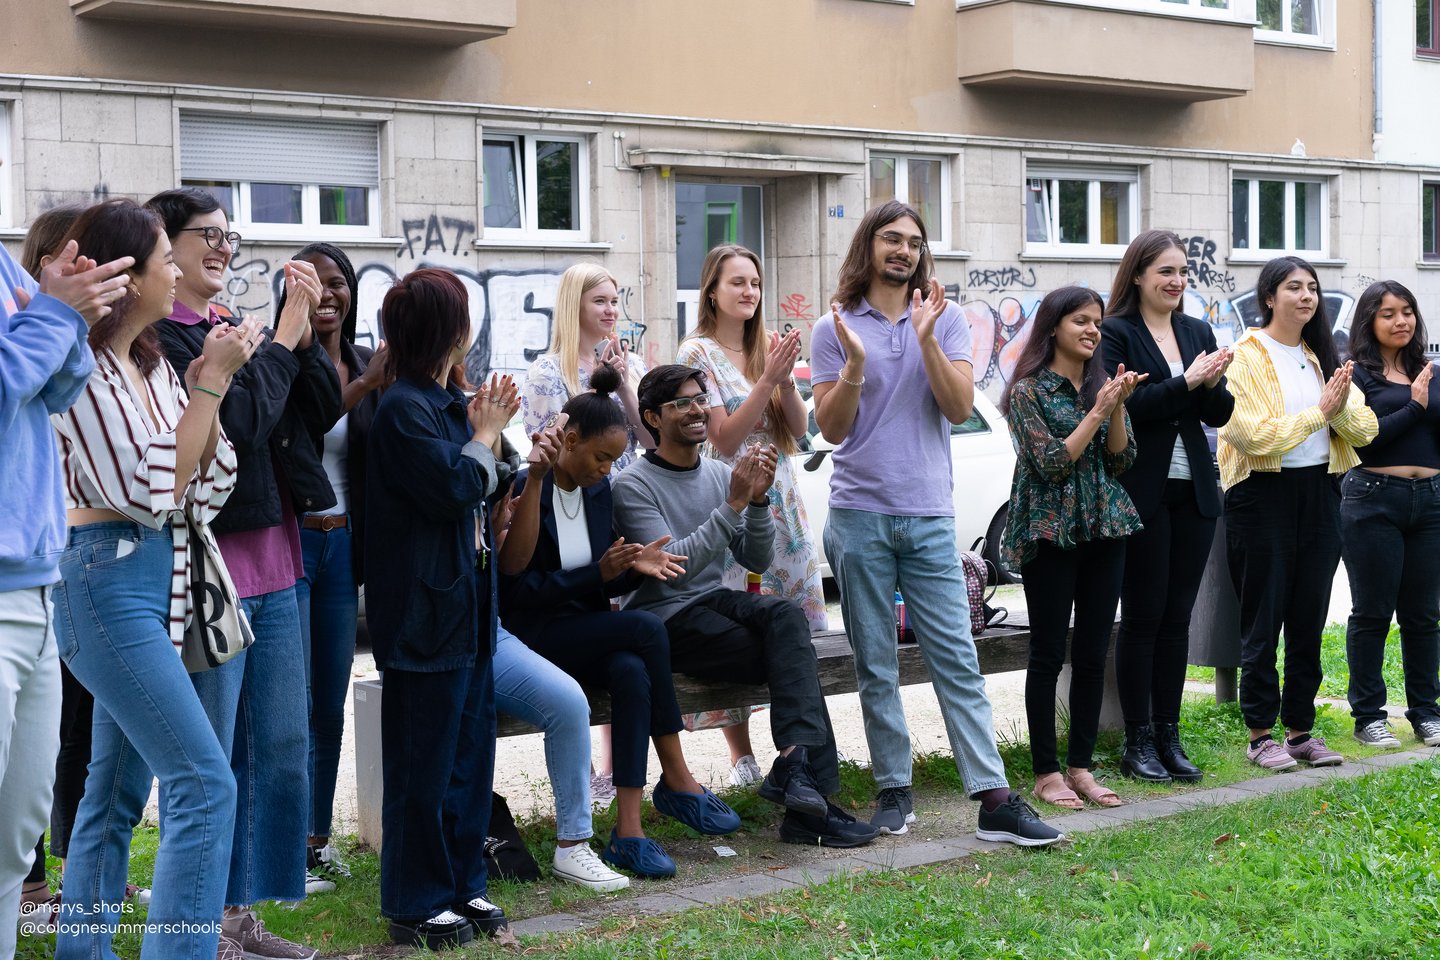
(550, 923)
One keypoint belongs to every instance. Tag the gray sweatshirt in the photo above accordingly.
(689, 505)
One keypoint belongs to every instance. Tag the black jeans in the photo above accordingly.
(437, 737)
(1391, 546)
(628, 655)
(1087, 579)
(1282, 538)
(1164, 563)
(734, 637)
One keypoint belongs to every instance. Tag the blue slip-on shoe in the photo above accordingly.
(702, 812)
(640, 855)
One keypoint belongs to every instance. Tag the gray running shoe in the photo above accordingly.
(1377, 733)
(894, 810)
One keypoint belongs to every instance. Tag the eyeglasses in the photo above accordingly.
(894, 241)
(683, 404)
(213, 236)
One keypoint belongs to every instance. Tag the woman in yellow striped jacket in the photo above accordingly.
(1296, 425)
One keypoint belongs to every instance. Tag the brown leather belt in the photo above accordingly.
(326, 522)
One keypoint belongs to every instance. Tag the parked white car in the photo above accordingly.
(984, 464)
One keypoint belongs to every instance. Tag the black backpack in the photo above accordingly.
(505, 853)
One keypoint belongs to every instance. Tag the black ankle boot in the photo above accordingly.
(1140, 759)
(1172, 755)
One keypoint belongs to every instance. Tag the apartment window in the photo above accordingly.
(1294, 21)
(1427, 28)
(282, 176)
(1221, 9)
(1278, 216)
(1080, 210)
(917, 180)
(537, 186)
(1430, 221)
(6, 196)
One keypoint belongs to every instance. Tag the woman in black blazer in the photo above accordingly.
(1173, 486)
(560, 565)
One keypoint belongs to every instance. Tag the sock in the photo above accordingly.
(1260, 739)
(1298, 740)
(990, 799)
(565, 853)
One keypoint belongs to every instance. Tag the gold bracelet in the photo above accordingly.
(789, 386)
(852, 382)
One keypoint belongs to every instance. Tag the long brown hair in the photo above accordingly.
(44, 236)
(1125, 293)
(1039, 350)
(754, 343)
(108, 231)
(859, 265)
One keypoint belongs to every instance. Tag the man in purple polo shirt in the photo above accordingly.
(891, 370)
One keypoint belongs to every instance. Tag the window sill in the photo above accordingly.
(1090, 254)
(950, 254)
(1260, 259)
(1288, 40)
(1422, 264)
(317, 235)
(579, 246)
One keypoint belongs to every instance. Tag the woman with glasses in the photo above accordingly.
(277, 411)
(1297, 422)
(561, 564)
(1390, 517)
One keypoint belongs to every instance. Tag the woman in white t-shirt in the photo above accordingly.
(1296, 425)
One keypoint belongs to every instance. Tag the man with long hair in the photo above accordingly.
(891, 371)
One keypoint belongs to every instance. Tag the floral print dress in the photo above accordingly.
(795, 572)
(544, 393)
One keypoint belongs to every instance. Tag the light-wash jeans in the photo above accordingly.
(872, 555)
(111, 624)
(29, 740)
(531, 688)
(257, 704)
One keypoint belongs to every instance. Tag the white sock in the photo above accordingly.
(565, 853)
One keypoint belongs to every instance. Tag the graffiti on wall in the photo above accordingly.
(1204, 273)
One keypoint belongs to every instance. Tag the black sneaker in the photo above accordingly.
(443, 931)
(836, 829)
(894, 810)
(488, 918)
(1015, 821)
(791, 783)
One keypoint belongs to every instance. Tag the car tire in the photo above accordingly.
(1003, 574)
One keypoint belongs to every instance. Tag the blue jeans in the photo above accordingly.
(111, 623)
(257, 704)
(437, 743)
(531, 688)
(328, 602)
(873, 554)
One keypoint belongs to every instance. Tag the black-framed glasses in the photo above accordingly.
(213, 236)
(894, 241)
(683, 404)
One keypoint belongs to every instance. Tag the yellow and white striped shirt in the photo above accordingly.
(1260, 433)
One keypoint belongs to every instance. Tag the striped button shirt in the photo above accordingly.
(1260, 432)
(114, 457)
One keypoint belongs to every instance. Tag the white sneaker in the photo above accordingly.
(602, 790)
(579, 864)
(746, 772)
(315, 884)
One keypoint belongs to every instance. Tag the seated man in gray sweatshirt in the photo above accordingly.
(729, 635)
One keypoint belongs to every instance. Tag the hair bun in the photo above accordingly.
(604, 379)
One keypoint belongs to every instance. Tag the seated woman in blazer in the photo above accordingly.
(561, 563)
(1173, 486)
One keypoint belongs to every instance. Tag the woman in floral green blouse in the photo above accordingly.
(1068, 523)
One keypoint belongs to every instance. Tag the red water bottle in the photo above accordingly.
(752, 581)
(903, 633)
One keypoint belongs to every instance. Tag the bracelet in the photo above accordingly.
(852, 382)
(789, 386)
(217, 396)
(760, 503)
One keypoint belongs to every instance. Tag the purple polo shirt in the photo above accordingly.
(267, 559)
(896, 458)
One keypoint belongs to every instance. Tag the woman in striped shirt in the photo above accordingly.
(138, 457)
(1296, 425)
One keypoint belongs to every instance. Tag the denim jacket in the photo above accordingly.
(430, 593)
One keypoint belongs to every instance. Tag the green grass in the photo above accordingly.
(1335, 666)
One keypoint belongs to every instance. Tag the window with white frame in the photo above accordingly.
(1430, 221)
(1272, 216)
(1077, 210)
(1427, 28)
(537, 185)
(1295, 21)
(920, 181)
(284, 176)
(1210, 9)
(6, 196)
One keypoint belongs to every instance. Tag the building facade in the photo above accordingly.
(507, 139)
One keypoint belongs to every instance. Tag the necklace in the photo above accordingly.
(568, 495)
(1296, 353)
(726, 346)
(1158, 337)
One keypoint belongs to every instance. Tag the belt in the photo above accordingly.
(325, 522)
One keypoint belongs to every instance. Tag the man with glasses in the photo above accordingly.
(726, 635)
(891, 373)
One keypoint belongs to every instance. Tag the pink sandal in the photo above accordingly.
(1088, 787)
(1051, 788)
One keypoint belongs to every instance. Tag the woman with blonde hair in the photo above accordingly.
(587, 309)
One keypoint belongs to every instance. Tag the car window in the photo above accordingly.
(974, 424)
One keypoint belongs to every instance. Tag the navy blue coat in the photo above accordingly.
(429, 593)
(544, 592)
